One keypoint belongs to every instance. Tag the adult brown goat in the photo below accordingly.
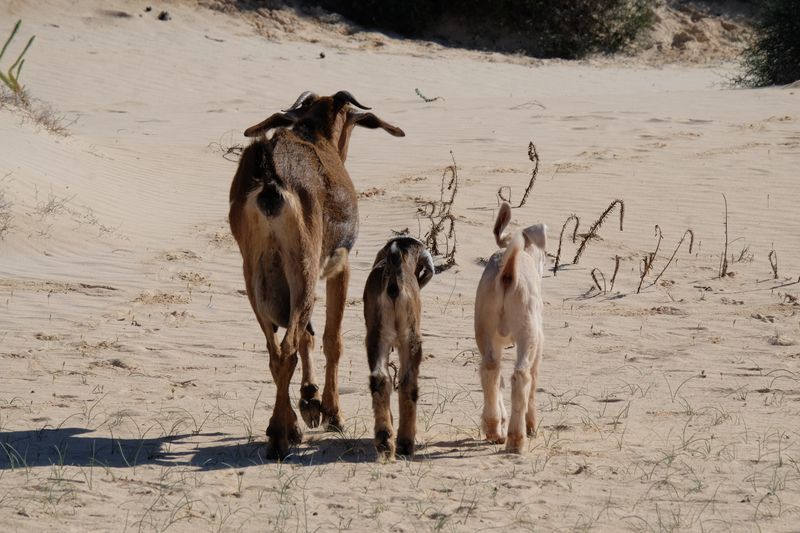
(294, 214)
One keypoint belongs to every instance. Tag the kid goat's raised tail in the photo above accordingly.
(510, 262)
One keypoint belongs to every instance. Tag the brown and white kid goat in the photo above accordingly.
(508, 309)
(392, 311)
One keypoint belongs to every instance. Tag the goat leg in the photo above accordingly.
(410, 357)
(381, 388)
(530, 417)
(494, 417)
(335, 299)
(282, 430)
(310, 404)
(520, 394)
(301, 283)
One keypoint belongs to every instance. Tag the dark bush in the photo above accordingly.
(542, 28)
(407, 17)
(773, 58)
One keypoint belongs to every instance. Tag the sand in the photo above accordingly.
(135, 390)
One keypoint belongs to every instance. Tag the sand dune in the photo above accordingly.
(135, 389)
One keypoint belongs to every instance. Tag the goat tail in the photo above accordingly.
(503, 218)
(510, 263)
(270, 199)
(393, 271)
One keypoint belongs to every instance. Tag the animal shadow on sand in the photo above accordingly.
(206, 451)
(72, 447)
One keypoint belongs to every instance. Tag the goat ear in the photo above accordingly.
(536, 234)
(425, 269)
(371, 121)
(277, 120)
(503, 218)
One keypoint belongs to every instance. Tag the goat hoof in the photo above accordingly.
(332, 422)
(405, 446)
(495, 438)
(281, 437)
(384, 446)
(277, 450)
(515, 444)
(279, 443)
(311, 411)
(494, 429)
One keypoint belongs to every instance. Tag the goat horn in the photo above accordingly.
(300, 99)
(349, 98)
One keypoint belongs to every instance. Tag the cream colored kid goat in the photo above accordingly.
(508, 309)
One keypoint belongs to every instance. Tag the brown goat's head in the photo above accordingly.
(405, 248)
(329, 117)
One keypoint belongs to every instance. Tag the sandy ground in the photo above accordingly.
(135, 391)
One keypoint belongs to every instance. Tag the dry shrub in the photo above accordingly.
(5, 214)
(773, 58)
(230, 150)
(536, 27)
(35, 111)
(441, 220)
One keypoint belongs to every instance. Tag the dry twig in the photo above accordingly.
(723, 265)
(616, 269)
(773, 262)
(561, 238)
(647, 261)
(426, 99)
(597, 284)
(596, 226)
(533, 155)
(688, 232)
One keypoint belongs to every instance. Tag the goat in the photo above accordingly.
(508, 308)
(294, 215)
(392, 311)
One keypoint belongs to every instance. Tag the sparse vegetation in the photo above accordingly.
(533, 155)
(442, 221)
(572, 218)
(5, 210)
(11, 77)
(723, 260)
(773, 57)
(14, 95)
(592, 233)
(688, 232)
